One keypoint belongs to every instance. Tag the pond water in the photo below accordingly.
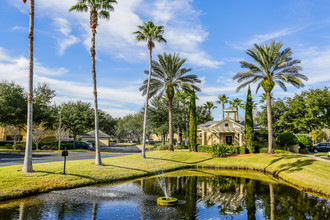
(200, 197)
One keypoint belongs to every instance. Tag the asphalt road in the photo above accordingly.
(8, 159)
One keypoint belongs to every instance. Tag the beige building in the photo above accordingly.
(228, 131)
(103, 137)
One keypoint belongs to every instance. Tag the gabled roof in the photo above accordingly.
(226, 119)
(207, 124)
(91, 134)
(215, 123)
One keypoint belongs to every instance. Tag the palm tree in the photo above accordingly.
(27, 167)
(150, 33)
(223, 99)
(272, 66)
(209, 106)
(98, 9)
(235, 103)
(168, 76)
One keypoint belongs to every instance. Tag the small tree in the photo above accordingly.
(14, 132)
(286, 139)
(317, 136)
(249, 131)
(62, 135)
(304, 141)
(39, 133)
(192, 122)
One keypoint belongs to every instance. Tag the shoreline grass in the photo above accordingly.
(299, 171)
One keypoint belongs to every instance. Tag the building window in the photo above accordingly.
(226, 124)
(200, 134)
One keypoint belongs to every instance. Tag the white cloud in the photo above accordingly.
(315, 61)
(183, 29)
(19, 28)
(118, 113)
(67, 39)
(16, 69)
(261, 38)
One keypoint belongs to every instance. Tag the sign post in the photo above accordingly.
(65, 153)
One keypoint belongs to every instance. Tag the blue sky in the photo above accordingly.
(213, 35)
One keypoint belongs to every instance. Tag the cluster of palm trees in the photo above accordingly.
(222, 100)
(165, 77)
(272, 66)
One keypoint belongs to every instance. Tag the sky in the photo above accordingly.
(213, 35)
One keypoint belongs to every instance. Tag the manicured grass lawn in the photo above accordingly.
(320, 154)
(303, 172)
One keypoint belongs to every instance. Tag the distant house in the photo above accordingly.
(103, 137)
(229, 131)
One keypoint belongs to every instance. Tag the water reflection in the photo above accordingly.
(217, 197)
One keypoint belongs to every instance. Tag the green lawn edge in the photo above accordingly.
(299, 171)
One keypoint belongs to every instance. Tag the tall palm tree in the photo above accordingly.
(27, 167)
(271, 66)
(168, 76)
(223, 99)
(235, 103)
(148, 32)
(98, 9)
(209, 106)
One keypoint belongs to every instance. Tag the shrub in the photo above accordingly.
(183, 147)
(242, 150)
(235, 149)
(286, 139)
(165, 147)
(304, 141)
(303, 151)
(283, 152)
(221, 150)
(263, 150)
(204, 148)
(20, 147)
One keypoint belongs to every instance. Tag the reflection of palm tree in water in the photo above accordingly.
(272, 201)
(94, 211)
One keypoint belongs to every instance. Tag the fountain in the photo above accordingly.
(164, 201)
(167, 201)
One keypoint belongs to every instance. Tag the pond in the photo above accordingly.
(200, 196)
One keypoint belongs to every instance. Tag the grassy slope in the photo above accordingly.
(301, 171)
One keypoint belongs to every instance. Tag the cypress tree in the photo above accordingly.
(192, 122)
(249, 131)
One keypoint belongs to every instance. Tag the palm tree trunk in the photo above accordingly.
(143, 154)
(27, 167)
(237, 113)
(98, 160)
(223, 112)
(170, 129)
(272, 201)
(270, 126)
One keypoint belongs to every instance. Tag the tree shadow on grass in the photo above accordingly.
(177, 161)
(68, 174)
(291, 167)
(129, 168)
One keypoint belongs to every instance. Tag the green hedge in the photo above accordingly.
(5, 143)
(204, 148)
(263, 150)
(283, 152)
